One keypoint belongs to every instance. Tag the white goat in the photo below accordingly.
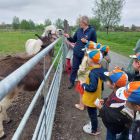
(33, 46)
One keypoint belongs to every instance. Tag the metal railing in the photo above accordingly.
(45, 123)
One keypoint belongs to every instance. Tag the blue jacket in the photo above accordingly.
(89, 34)
(94, 75)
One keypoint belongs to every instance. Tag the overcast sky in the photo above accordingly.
(39, 10)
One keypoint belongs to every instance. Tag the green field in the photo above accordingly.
(14, 42)
(121, 42)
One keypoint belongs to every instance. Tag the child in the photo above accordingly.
(84, 70)
(136, 65)
(92, 89)
(130, 68)
(106, 59)
(131, 93)
(69, 56)
(111, 113)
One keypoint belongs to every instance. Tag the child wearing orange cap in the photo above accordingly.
(106, 58)
(92, 90)
(131, 93)
(84, 70)
(111, 109)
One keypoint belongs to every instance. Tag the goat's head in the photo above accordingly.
(47, 39)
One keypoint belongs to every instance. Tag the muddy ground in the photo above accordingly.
(16, 112)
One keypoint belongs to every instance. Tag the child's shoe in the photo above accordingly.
(87, 129)
(78, 106)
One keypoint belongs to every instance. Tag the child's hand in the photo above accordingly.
(84, 40)
(99, 103)
(72, 45)
(66, 35)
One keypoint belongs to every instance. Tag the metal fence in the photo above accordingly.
(44, 126)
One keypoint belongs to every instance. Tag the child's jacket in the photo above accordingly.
(84, 70)
(113, 118)
(93, 86)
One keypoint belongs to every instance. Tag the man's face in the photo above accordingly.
(136, 64)
(82, 24)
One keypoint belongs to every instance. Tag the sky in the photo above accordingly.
(39, 10)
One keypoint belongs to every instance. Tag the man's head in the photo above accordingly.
(136, 62)
(116, 79)
(84, 21)
(94, 57)
(130, 93)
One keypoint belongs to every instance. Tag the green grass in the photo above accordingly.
(120, 42)
(14, 42)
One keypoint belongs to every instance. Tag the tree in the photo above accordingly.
(95, 23)
(108, 12)
(32, 24)
(25, 24)
(133, 27)
(40, 27)
(47, 22)
(15, 23)
(59, 23)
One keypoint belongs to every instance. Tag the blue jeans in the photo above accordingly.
(75, 66)
(110, 135)
(92, 112)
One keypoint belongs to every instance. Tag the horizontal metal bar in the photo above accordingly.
(14, 78)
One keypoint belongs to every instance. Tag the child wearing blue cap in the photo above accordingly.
(131, 93)
(111, 109)
(106, 58)
(92, 90)
(84, 69)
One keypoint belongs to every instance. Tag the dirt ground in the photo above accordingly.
(19, 107)
(16, 112)
(68, 120)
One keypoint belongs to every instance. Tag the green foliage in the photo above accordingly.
(40, 27)
(95, 23)
(15, 23)
(59, 23)
(47, 22)
(108, 12)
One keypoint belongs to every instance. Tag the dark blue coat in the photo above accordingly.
(89, 34)
(94, 75)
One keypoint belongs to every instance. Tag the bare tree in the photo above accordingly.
(108, 12)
